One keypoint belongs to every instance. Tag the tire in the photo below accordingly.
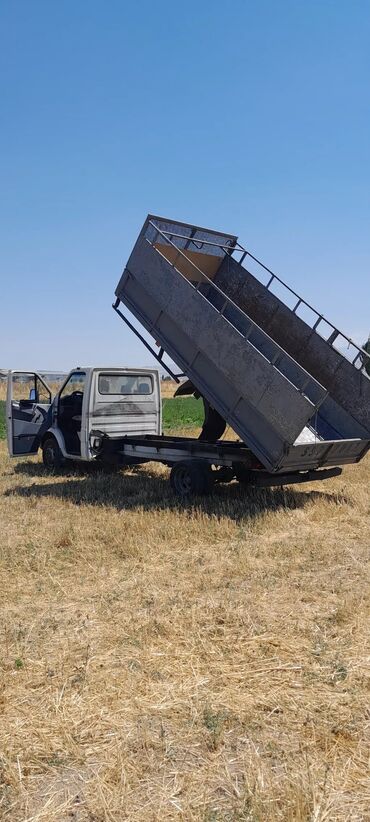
(191, 477)
(52, 456)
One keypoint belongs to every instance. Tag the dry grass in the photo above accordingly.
(168, 388)
(165, 661)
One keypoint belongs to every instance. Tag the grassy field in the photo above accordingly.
(162, 660)
(182, 412)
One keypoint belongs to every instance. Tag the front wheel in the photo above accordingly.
(52, 456)
(190, 477)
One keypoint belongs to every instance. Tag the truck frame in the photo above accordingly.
(196, 466)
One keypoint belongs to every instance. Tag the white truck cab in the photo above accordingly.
(117, 402)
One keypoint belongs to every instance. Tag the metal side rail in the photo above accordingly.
(249, 330)
(314, 342)
(171, 449)
(358, 356)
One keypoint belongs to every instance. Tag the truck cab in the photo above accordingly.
(115, 402)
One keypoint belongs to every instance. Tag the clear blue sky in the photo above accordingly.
(253, 117)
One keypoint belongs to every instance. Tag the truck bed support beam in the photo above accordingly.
(158, 356)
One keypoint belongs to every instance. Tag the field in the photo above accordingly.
(182, 412)
(162, 660)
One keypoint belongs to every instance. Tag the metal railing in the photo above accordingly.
(227, 301)
(229, 248)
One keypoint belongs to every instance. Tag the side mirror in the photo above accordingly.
(32, 395)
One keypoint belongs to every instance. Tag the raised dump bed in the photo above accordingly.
(290, 394)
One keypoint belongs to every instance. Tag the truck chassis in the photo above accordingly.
(197, 466)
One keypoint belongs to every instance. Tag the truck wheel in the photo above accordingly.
(190, 477)
(52, 456)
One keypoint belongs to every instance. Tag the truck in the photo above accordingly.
(112, 417)
(285, 379)
(119, 401)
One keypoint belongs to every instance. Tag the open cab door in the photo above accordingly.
(28, 412)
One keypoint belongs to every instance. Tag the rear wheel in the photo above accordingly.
(52, 456)
(190, 477)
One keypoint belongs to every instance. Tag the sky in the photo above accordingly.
(249, 117)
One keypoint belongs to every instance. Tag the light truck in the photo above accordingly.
(118, 402)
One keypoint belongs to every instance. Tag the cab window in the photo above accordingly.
(124, 384)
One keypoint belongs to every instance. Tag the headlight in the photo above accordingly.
(96, 441)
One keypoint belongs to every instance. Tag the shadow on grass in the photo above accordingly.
(70, 468)
(146, 489)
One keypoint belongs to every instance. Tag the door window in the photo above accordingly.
(23, 385)
(30, 388)
(43, 395)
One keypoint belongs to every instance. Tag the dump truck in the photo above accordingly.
(290, 384)
(292, 387)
